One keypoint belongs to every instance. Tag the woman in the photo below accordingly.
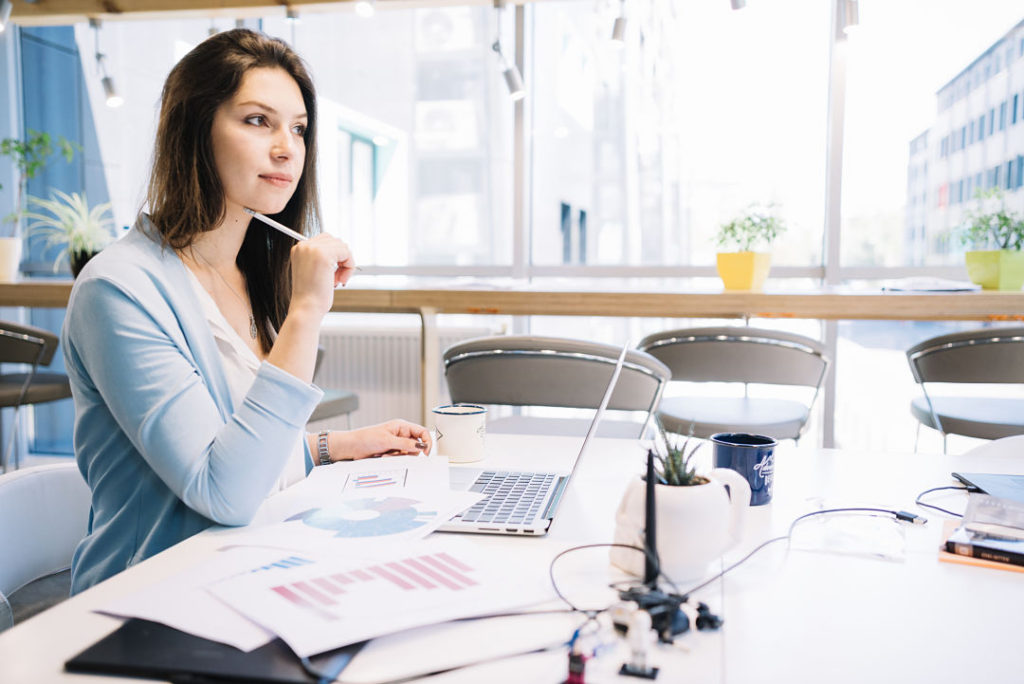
(190, 343)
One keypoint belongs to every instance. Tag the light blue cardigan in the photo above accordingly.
(157, 437)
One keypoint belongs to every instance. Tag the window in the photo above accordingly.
(905, 77)
(655, 140)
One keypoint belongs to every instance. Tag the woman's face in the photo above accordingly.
(258, 147)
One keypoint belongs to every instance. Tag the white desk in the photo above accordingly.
(794, 616)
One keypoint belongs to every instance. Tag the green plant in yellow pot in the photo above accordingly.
(996, 235)
(750, 235)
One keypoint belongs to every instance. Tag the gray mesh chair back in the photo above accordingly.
(518, 370)
(44, 513)
(734, 354)
(34, 347)
(987, 356)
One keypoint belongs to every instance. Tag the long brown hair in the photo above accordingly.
(186, 197)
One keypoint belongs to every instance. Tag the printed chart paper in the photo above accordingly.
(340, 601)
(181, 601)
(362, 516)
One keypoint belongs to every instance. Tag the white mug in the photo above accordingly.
(460, 430)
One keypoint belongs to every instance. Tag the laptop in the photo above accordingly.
(995, 484)
(521, 502)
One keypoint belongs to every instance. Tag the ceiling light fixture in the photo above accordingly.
(851, 16)
(738, 4)
(5, 13)
(109, 90)
(513, 79)
(619, 28)
(366, 8)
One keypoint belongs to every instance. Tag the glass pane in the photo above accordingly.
(928, 122)
(656, 142)
(415, 128)
(874, 387)
(420, 95)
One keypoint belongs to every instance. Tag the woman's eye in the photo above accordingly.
(299, 129)
(256, 120)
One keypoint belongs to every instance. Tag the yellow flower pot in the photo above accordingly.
(996, 269)
(744, 270)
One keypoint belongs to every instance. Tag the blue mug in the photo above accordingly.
(752, 456)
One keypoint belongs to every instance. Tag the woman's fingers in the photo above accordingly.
(393, 438)
(318, 266)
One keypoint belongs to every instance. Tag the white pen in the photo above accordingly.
(274, 224)
(281, 227)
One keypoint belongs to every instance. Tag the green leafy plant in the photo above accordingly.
(674, 466)
(990, 225)
(68, 221)
(757, 226)
(30, 156)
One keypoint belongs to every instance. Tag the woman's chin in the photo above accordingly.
(269, 209)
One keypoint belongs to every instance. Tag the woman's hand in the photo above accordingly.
(318, 266)
(393, 438)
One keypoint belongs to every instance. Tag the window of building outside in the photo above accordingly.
(919, 74)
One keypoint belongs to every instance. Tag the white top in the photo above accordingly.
(240, 367)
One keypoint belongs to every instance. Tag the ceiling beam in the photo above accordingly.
(58, 12)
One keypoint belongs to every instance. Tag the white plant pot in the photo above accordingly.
(10, 258)
(695, 524)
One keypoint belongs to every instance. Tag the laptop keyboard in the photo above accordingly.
(511, 498)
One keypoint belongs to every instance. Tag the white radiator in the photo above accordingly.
(382, 366)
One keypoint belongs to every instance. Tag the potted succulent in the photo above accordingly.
(755, 229)
(68, 221)
(996, 235)
(30, 156)
(698, 516)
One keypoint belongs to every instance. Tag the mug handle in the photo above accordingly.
(739, 498)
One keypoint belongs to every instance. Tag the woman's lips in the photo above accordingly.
(277, 181)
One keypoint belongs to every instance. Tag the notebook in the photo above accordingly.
(522, 502)
(995, 484)
(140, 648)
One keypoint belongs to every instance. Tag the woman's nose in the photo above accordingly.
(285, 144)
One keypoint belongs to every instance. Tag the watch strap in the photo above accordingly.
(323, 450)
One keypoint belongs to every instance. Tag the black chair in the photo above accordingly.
(35, 347)
(987, 356)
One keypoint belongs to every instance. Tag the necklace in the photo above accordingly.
(253, 332)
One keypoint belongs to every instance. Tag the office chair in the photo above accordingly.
(738, 355)
(992, 355)
(35, 347)
(520, 370)
(44, 513)
(334, 402)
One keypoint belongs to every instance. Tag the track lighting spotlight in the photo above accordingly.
(5, 13)
(513, 79)
(366, 8)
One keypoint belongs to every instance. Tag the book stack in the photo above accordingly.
(973, 545)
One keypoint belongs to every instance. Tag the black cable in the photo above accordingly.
(647, 554)
(939, 508)
(591, 614)
(899, 515)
